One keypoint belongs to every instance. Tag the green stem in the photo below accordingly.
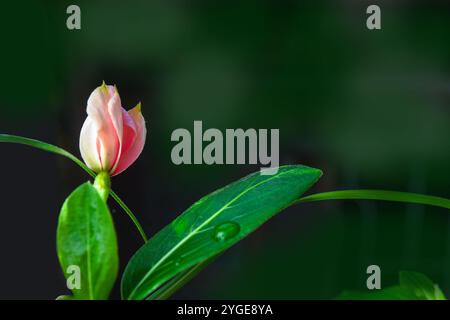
(103, 184)
(383, 195)
(60, 151)
(130, 215)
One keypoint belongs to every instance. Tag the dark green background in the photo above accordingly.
(370, 108)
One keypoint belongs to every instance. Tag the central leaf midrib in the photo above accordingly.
(193, 232)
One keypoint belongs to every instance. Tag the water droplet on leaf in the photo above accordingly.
(225, 231)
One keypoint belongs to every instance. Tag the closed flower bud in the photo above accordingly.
(111, 138)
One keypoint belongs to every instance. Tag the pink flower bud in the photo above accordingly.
(111, 138)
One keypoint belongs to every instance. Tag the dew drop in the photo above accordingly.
(225, 231)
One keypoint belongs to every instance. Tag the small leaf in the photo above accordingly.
(213, 224)
(422, 287)
(86, 240)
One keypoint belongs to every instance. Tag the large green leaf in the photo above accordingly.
(213, 224)
(86, 239)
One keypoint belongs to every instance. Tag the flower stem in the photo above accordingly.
(103, 184)
(130, 215)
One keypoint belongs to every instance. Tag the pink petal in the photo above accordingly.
(129, 132)
(116, 112)
(102, 109)
(88, 145)
(133, 139)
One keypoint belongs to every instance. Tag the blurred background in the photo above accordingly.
(370, 108)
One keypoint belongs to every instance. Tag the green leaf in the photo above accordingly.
(87, 240)
(213, 224)
(170, 287)
(421, 286)
(384, 195)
